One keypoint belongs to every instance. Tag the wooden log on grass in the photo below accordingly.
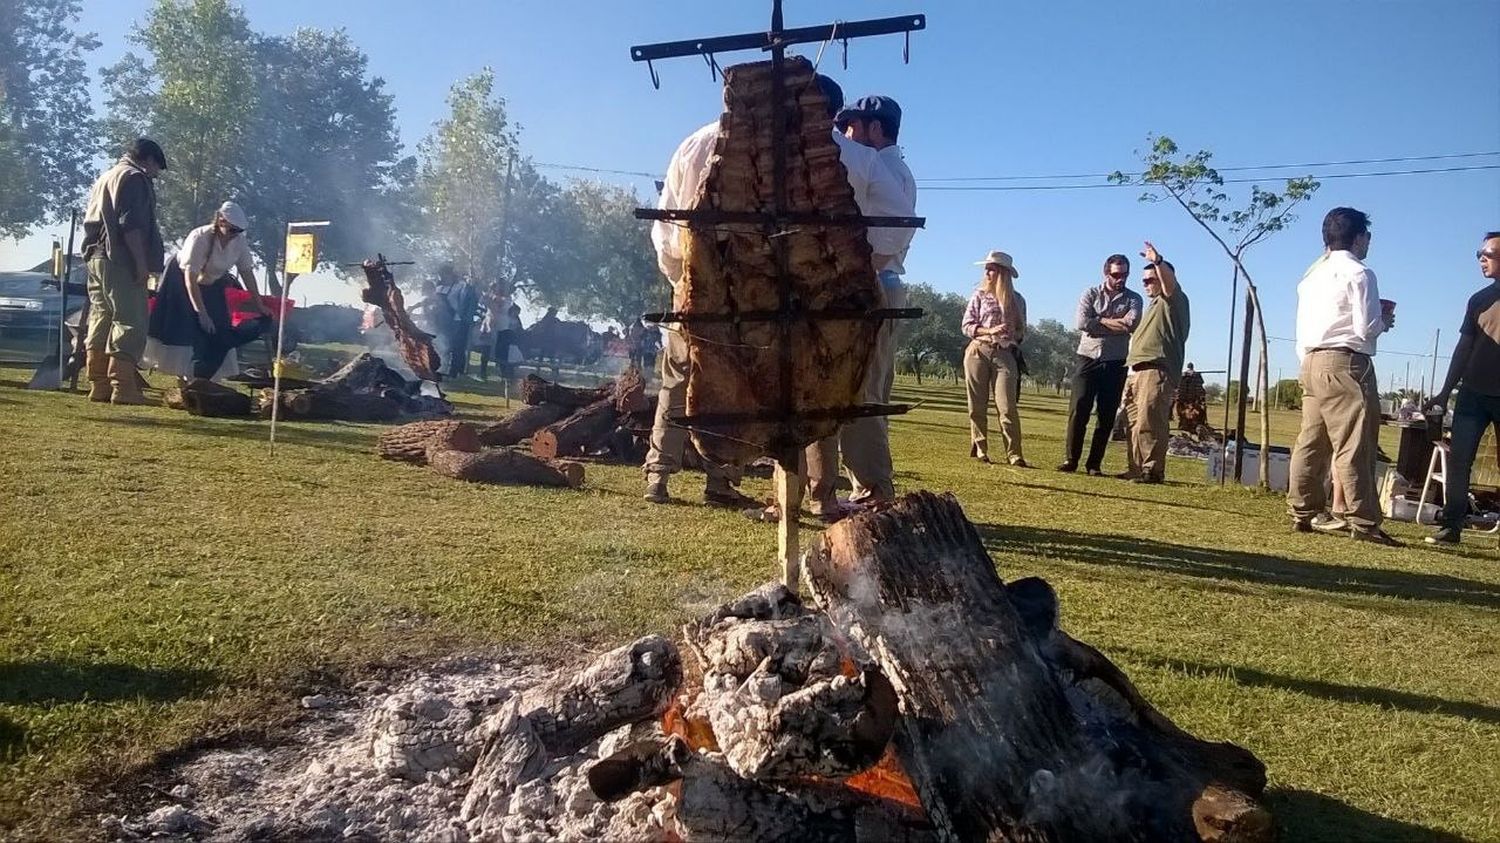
(412, 442)
(1009, 732)
(504, 467)
(535, 390)
(520, 425)
(587, 427)
(203, 397)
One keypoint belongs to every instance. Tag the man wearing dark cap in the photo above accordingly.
(875, 122)
(122, 246)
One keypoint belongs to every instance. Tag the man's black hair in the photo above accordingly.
(1492, 235)
(146, 149)
(1116, 259)
(1342, 226)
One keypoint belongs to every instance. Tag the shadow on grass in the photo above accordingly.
(1134, 501)
(12, 738)
(1359, 694)
(314, 434)
(1306, 816)
(1238, 565)
(57, 683)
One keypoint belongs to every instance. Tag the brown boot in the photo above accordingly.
(98, 369)
(123, 378)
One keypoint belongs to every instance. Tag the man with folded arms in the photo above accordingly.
(1339, 318)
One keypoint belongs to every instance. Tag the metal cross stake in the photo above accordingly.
(790, 310)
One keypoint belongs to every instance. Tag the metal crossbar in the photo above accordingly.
(829, 314)
(714, 216)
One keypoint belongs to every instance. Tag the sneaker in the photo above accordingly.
(1093, 472)
(1068, 467)
(1019, 463)
(1445, 535)
(1374, 535)
(656, 489)
(1323, 522)
(1302, 525)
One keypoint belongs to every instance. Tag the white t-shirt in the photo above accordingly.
(1338, 306)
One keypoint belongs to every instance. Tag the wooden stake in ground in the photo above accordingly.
(788, 540)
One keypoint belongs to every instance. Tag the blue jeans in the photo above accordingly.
(1472, 413)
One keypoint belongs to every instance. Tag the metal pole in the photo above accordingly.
(63, 346)
(1234, 289)
(286, 290)
(1244, 396)
(1432, 380)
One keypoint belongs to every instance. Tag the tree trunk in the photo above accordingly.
(1244, 394)
(573, 434)
(1262, 387)
(412, 442)
(1005, 734)
(504, 467)
(535, 390)
(520, 425)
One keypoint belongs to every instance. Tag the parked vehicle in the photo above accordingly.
(30, 304)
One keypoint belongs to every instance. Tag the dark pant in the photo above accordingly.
(1472, 413)
(209, 350)
(458, 350)
(1096, 389)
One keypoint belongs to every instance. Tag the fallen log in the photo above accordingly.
(367, 373)
(630, 392)
(1006, 732)
(504, 467)
(520, 425)
(411, 442)
(315, 403)
(576, 433)
(203, 397)
(535, 390)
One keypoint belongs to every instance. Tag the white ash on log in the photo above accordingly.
(365, 389)
(626, 685)
(1008, 730)
(520, 425)
(412, 442)
(504, 467)
(777, 695)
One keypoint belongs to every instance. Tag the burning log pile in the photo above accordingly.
(365, 390)
(923, 699)
(612, 420)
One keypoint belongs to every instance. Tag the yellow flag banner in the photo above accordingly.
(301, 253)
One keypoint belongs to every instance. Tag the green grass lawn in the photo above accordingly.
(166, 582)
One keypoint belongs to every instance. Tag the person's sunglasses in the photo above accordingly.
(1150, 279)
(1486, 253)
(232, 230)
(1119, 276)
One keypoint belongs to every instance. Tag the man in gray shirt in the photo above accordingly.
(1107, 314)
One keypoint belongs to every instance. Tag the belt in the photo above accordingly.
(1340, 349)
(1149, 364)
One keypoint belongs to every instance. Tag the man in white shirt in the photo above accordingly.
(875, 122)
(1339, 318)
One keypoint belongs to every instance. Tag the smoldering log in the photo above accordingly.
(625, 685)
(520, 425)
(411, 442)
(629, 392)
(366, 373)
(1002, 734)
(504, 467)
(315, 403)
(415, 344)
(535, 390)
(576, 433)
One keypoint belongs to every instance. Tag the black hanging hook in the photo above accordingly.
(845, 43)
(655, 79)
(906, 50)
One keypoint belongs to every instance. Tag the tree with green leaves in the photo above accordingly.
(195, 92)
(1199, 190)
(47, 131)
(613, 275)
(461, 179)
(1050, 350)
(935, 338)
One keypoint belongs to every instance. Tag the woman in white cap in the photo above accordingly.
(995, 321)
(192, 334)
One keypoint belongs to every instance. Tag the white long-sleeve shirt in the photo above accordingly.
(1338, 306)
(201, 252)
(875, 186)
(895, 161)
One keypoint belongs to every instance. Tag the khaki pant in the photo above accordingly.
(819, 466)
(668, 439)
(1341, 425)
(117, 310)
(1150, 415)
(991, 370)
(866, 442)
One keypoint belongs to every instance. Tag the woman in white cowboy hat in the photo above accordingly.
(192, 334)
(995, 321)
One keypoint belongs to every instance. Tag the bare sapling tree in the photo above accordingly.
(1199, 190)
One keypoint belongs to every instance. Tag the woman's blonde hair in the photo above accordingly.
(1003, 288)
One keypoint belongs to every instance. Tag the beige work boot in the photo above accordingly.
(656, 488)
(123, 380)
(97, 365)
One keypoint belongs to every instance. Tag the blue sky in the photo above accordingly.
(1020, 89)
